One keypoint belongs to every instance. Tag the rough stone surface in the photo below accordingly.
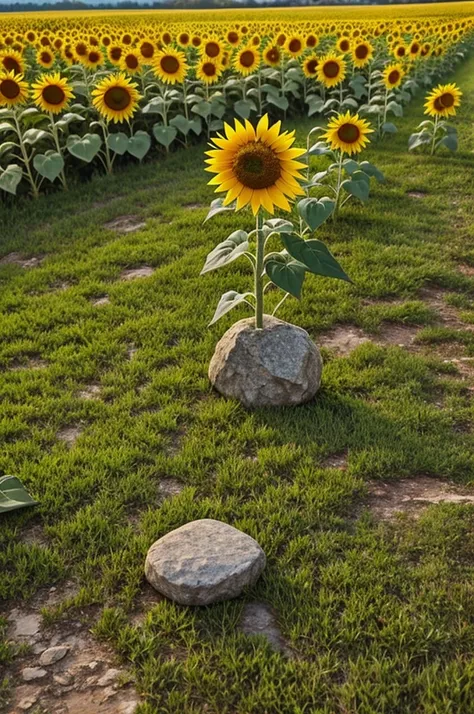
(109, 677)
(24, 625)
(203, 562)
(276, 366)
(53, 654)
(18, 259)
(31, 673)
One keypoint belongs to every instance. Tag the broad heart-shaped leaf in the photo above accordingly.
(13, 494)
(243, 108)
(396, 108)
(350, 166)
(32, 136)
(218, 207)
(228, 301)
(165, 135)
(10, 178)
(358, 185)
(350, 102)
(84, 147)
(155, 106)
(66, 119)
(181, 123)
(118, 142)
(49, 166)
(227, 251)
(450, 141)
(315, 104)
(315, 211)
(139, 144)
(217, 109)
(285, 272)
(202, 108)
(314, 255)
(418, 139)
(277, 225)
(389, 128)
(6, 126)
(196, 125)
(280, 102)
(371, 170)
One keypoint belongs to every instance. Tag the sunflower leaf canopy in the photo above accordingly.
(314, 255)
(229, 250)
(285, 272)
(315, 211)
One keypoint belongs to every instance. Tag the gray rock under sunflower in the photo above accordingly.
(203, 562)
(278, 365)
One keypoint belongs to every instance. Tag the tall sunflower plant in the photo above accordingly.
(344, 137)
(260, 169)
(440, 104)
(386, 99)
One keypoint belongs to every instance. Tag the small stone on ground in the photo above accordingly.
(92, 391)
(135, 273)
(18, 259)
(53, 655)
(101, 301)
(69, 434)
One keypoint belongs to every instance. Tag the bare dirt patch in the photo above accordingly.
(259, 619)
(105, 300)
(145, 271)
(412, 496)
(395, 334)
(466, 270)
(125, 224)
(335, 461)
(33, 363)
(169, 487)
(193, 206)
(343, 339)
(70, 434)
(20, 260)
(91, 391)
(417, 194)
(447, 315)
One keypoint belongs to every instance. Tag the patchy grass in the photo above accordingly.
(379, 616)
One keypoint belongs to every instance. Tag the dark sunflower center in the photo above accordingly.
(10, 64)
(9, 88)
(116, 53)
(257, 166)
(414, 48)
(233, 37)
(311, 41)
(209, 69)
(93, 57)
(281, 39)
(106, 41)
(331, 69)
(311, 66)
(44, 41)
(117, 98)
(31, 36)
(361, 52)
(184, 38)
(127, 39)
(349, 133)
(46, 57)
(401, 51)
(294, 45)
(169, 64)
(273, 55)
(81, 49)
(212, 49)
(147, 49)
(53, 94)
(247, 58)
(166, 38)
(132, 62)
(394, 76)
(344, 45)
(446, 100)
(438, 105)
(196, 41)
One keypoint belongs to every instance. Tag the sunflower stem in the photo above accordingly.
(435, 130)
(54, 131)
(338, 188)
(259, 273)
(108, 160)
(26, 159)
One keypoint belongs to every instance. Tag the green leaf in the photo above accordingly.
(139, 144)
(7, 146)
(277, 225)
(227, 251)
(218, 207)
(350, 166)
(314, 255)
(165, 135)
(357, 186)
(315, 104)
(314, 211)
(118, 142)
(13, 494)
(217, 109)
(418, 139)
(182, 124)
(228, 301)
(67, 119)
(155, 106)
(450, 141)
(285, 272)
(319, 149)
(395, 108)
(49, 166)
(32, 136)
(244, 108)
(85, 147)
(389, 128)
(280, 102)
(372, 170)
(10, 178)
(196, 125)
(203, 109)
(6, 126)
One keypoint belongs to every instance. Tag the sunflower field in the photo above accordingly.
(88, 92)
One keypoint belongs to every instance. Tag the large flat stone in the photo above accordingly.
(203, 562)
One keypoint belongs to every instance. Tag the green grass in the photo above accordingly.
(380, 617)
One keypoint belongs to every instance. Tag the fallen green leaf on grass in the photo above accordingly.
(13, 494)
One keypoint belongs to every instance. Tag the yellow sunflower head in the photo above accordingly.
(13, 90)
(93, 58)
(147, 51)
(45, 58)
(116, 97)
(443, 100)
(12, 61)
(344, 45)
(347, 133)
(170, 66)
(211, 48)
(331, 70)
(294, 45)
(131, 61)
(392, 76)
(208, 71)
(362, 53)
(51, 93)
(272, 56)
(310, 66)
(115, 53)
(247, 60)
(256, 167)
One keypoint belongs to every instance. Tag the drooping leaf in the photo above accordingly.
(314, 255)
(418, 139)
(279, 101)
(227, 251)
(389, 128)
(203, 109)
(10, 178)
(6, 126)
(286, 272)
(32, 136)
(372, 170)
(218, 207)
(165, 135)
(450, 141)
(85, 147)
(228, 301)
(49, 166)
(66, 119)
(139, 144)
(182, 124)
(244, 108)
(13, 495)
(118, 142)
(277, 225)
(358, 185)
(314, 211)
